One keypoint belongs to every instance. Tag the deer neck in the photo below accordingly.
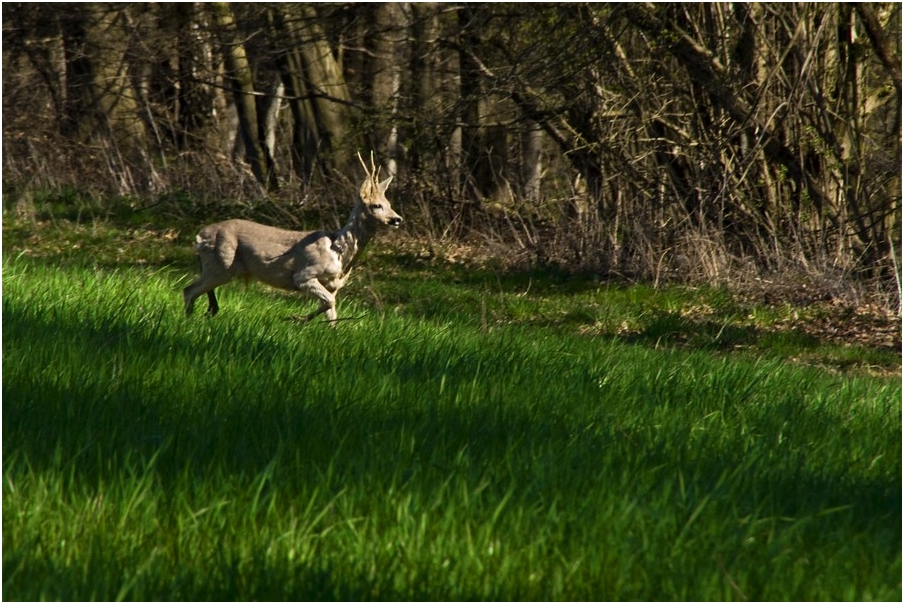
(352, 238)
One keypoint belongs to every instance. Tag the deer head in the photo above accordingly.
(375, 206)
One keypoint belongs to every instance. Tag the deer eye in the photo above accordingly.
(375, 206)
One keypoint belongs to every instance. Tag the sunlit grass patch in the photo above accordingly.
(428, 453)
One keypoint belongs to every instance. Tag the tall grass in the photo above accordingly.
(420, 456)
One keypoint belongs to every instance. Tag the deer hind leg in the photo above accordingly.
(212, 306)
(205, 285)
(196, 289)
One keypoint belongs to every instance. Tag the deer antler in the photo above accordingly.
(365, 166)
(374, 172)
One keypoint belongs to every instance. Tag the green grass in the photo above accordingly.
(460, 436)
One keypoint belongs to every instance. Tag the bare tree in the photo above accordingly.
(622, 134)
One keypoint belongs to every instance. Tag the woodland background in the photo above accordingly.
(690, 141)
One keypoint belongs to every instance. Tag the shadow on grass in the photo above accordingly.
(93, 429)
(90, 426)
(672, 330)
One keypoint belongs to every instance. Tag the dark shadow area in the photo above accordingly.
(492, 274)
(92, 431)
(93, 427)
(674, 330)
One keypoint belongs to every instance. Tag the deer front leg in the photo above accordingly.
(326, 299)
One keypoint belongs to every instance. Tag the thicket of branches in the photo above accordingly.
(631, 138)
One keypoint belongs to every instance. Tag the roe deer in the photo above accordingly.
(316, 262)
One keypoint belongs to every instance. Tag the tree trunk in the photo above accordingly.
(329, 97)
(100, 99)
(424, 67)
(532, 167)
(484, 145)
(239, 75)
(194, 102)
(305, 136)
(391, 24)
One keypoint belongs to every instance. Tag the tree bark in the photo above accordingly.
(239, 75)
(391, 21)
(484, 145)
(100, 100)
(330, 101)
(882, 45)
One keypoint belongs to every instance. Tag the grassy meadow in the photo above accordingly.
(463, 434)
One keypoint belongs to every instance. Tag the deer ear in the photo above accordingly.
(382, 187)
